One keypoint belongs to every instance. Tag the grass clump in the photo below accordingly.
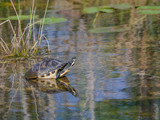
(24, 43)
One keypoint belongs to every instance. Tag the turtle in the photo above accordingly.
(50, 68)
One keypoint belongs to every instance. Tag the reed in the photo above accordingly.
(24, 43)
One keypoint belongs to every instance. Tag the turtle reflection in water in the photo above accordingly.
(50, 68)
(53, 86)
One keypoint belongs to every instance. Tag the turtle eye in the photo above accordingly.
(74, 59)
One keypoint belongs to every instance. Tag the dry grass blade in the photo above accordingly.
(44, 17)
(4, 22)
(47, 42)
(34, 46)
(10, 25)
(4, 46)
(30, 27)
(16, 15)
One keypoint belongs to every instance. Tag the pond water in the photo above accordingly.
(116, 74)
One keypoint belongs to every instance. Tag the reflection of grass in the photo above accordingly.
(16, 89)
(23, 43)
(35, 103)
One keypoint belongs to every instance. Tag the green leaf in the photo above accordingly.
(149, 7)
(91, 10)
(149, 12)
(53, 20)
(21, 17)
(122, 6)
(107, 29)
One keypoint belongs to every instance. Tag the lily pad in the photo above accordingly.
(149, 12)
(122, 6)
(21, 17)
(108, 29)
(91, 10)
(106, 9)
(53, 20)
(149, 7)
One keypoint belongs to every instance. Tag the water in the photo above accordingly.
(116, 74)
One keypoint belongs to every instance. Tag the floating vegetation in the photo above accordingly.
(122, 6)
(107, 9)
(145, 10)
(27, 17)
(52, 20)
(150, 10)
(149, 7)
(91, 10)
(21, 17)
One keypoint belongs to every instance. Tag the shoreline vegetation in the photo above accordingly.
(25, 43)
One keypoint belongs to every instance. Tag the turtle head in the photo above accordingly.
(64, 69)
(70, 63)
(73, 61)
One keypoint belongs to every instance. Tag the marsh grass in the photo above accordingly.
(24, 43)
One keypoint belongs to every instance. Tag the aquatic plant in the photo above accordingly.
(143, 11)
(25, 43)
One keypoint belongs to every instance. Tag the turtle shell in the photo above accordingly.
(47, 68)
(50, 68)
